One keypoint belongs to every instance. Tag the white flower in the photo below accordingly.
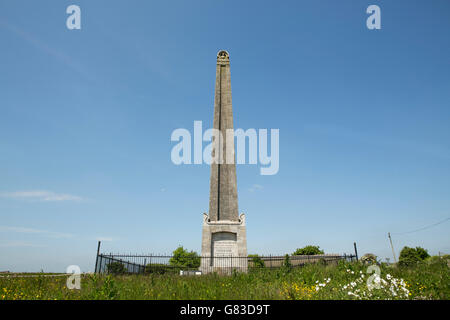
(353, 294)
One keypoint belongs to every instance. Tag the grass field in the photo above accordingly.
(342, 281)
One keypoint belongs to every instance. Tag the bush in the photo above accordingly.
(159, 268)
(423, 253)
(287, 265)
(435, 260)
(116, 268)
(183, 258)
(308, 250)
(411, 256)
(257, 261)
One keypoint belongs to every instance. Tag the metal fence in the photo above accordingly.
(160, 264)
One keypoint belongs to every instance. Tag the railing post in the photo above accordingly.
(356, 251)
(96, 259)
(145, 263)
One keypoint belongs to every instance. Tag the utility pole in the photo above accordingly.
(393, 252)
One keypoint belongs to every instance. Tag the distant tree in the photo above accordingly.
(116, 267)
(423, 253)
(308, 250)
(257, 261)
(412, 256)
(183, 258)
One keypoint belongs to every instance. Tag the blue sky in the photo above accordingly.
(86, 117)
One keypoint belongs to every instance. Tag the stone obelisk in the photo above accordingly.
(224, 242)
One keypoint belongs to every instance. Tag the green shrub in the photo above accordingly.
(116, 268)
(411, 256)
(422, 253)
(287, 265)
(308, 250)
(160, 268)
(438, 260)
(183, 258)
(257, 262)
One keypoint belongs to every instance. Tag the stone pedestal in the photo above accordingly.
(224, 246)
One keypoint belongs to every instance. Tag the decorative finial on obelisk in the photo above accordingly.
(223, 57)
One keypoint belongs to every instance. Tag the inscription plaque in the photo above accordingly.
(224, 244)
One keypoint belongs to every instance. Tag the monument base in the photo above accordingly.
(224, 246)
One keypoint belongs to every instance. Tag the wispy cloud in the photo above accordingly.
(255, 187)
(35, 231)
(42, 46)
(104, 239)
(40, 196)
(429, 148)
(20, 244)
(46, 233)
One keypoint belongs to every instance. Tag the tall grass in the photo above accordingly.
(315, 281)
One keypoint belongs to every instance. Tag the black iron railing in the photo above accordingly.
(160, 264)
